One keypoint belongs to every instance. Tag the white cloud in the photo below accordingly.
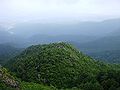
(58, 9)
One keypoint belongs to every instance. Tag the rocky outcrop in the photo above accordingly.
(7, 79)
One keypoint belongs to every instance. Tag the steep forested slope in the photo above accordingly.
(62, 66)
(9, 82)
(7, 52)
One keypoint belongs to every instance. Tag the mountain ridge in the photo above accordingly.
(57, 64)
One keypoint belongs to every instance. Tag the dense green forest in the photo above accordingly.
(9, 82)
(59, 66)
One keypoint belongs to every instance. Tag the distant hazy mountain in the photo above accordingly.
(110, 42)
(37, 39)
(5, 36)
(12, 39)
(80, 28)
(106, 48)
(112, 56)
(25, 34)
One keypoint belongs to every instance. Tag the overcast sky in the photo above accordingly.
(58, 10)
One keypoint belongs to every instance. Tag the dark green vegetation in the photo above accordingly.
(35, 86)
(56, 64)
(8, 82)
(7, 52)
(60, 65)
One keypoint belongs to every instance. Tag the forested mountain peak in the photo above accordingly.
(62, 66)
(57, 64)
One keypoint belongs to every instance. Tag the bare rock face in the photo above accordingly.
(7, 79)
